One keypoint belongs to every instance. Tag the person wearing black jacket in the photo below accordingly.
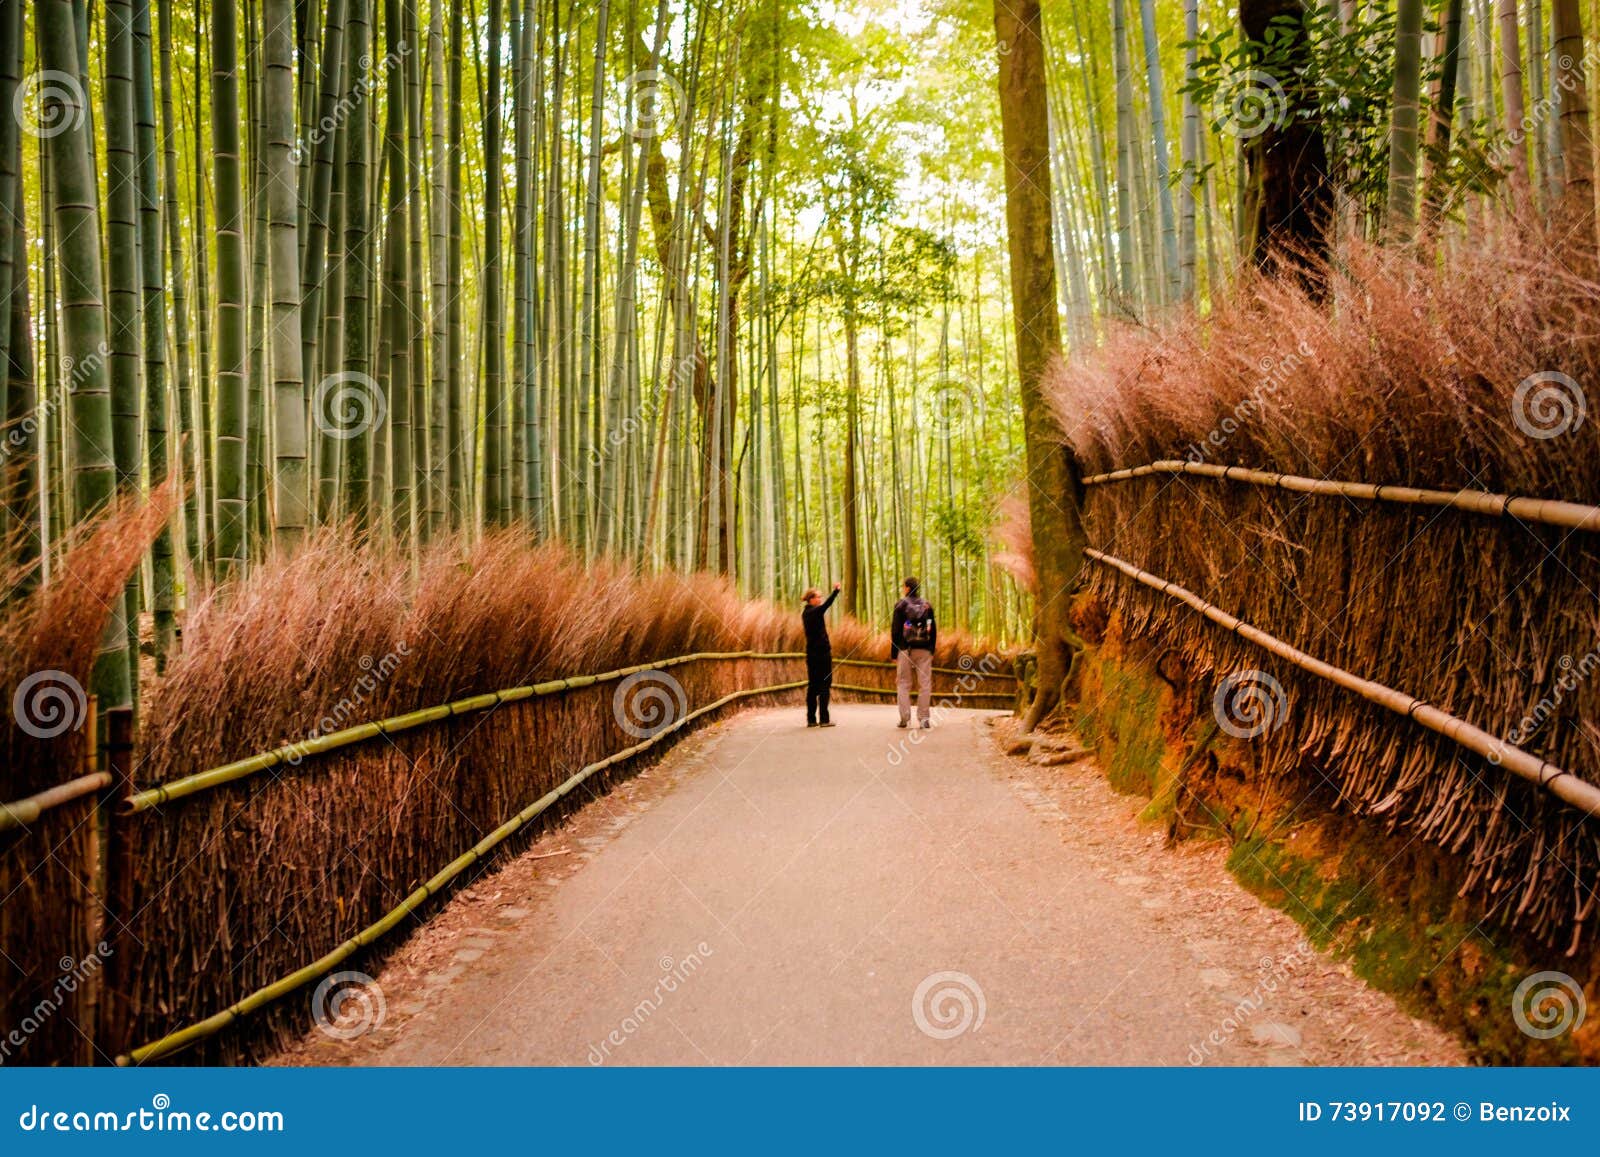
(913, 637)
(819, 656)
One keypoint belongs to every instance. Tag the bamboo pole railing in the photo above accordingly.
(1563, 784)
(173, 1042)
(21, 812)
(1554, 512)
(293, 752)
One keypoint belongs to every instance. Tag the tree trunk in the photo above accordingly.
(1402, 211)
(1577, 147)
(1291, 212)
(1053, 487)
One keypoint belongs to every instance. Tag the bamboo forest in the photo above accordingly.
(478, 445)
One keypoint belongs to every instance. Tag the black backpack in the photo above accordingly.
(918, 625)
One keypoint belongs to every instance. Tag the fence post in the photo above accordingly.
(114, 1014)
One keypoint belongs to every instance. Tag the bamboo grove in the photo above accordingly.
(626, 276)
(1175, 125)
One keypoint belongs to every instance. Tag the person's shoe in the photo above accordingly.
(926, 724)
(829, 724)
(903, 723)
(811, 722)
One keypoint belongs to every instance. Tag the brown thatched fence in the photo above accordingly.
(215, 893)
(1470, 614)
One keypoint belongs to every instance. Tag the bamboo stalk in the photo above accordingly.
(174, 1042)
(1563, 784)
(1554, 512)
(22, 812)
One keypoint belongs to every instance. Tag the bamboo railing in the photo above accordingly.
(1574, 515)
(293, 752)
(241, 769)
(1563, 784)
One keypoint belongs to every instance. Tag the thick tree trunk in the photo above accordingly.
(1577, 146)
(1053, 487)
(1291, 212)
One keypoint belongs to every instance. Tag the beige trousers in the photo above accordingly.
(920, 663)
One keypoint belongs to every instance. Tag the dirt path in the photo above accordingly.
(773, 895)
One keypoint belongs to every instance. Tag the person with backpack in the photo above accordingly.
(913, 636)
(819, 656)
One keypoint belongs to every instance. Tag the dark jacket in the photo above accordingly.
(816, 626)
(897, 630)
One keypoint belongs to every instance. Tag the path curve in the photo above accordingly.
(865, 895)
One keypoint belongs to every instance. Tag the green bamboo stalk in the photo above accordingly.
(232, 481)
(76, 227)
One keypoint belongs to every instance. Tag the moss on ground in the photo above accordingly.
(1386, 904)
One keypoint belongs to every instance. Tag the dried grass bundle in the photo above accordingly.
(1474, 374)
